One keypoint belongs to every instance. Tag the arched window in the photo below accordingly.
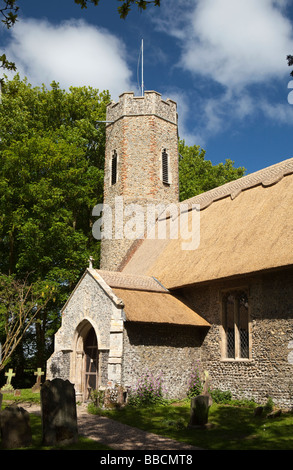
(236, 325)
(91, 358)
(114, 168)
(165, 167)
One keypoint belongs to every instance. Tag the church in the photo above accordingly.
(216, 291)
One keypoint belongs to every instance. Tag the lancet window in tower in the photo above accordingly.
(114, 168)
(165, 167)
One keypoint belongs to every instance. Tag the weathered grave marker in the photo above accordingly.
(37, 386)
(59, 417)
(15, 427)
(8, 386)
(199, 410)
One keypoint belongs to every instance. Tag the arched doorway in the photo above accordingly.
(91, 363)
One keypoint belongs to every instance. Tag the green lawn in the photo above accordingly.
(36, 425)
(234, 427)
(82, 444)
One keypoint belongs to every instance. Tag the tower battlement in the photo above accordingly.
(141, 161)
(149, 104)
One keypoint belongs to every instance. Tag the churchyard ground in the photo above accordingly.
(233, 426)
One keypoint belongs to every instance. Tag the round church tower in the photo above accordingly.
(141, 165)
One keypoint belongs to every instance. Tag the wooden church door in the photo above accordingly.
(91, 363)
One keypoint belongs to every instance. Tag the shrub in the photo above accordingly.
(97, 397)
(148, 391)
(269, 406)
(220, 396)
(195, 385)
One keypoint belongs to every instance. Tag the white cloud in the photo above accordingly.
(237, 44)
(73, 53)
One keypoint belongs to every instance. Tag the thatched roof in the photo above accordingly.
(142, 298)
(127, 281)
(246, 226)
(146, 301)
(157, 307)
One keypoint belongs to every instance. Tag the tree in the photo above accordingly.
(51, 177)
(126, 6)
(197, 175)
(20, 303)
(8, 11)
(290, 62)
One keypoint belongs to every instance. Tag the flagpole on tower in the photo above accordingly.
(142, 85)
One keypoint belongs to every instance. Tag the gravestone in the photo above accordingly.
(15, 427)
(59, 417)
(199, 410)
(37, 386)
(8, 386)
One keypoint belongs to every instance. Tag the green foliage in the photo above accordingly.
(20, 305)
(9, 11)
(290, 62)
(149, 390)
(220, 396)
(233, 427)
(269, 406)
(125, 6)
(195, 385)
(51, 177)
(197, 175)
(26, 395)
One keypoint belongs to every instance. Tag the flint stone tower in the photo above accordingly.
(141, 161)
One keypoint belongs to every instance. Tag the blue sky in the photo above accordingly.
(222, 61)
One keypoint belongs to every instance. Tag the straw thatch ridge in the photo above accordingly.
(266, 177)
(157, 307)
(121, 280)
(238, 235)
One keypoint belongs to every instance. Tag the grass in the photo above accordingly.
(235, 427)
(36, 425)
(82, 444)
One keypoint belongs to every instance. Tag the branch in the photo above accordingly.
(20, 304)
(9, 12)
(125, 8)
(142, 5)
(290, 62)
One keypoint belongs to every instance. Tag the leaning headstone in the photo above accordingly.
(15, 427)
(8, 388)
(59, 418)
(258, 411)
(37, 386)
(199, 410)
(206, 385)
